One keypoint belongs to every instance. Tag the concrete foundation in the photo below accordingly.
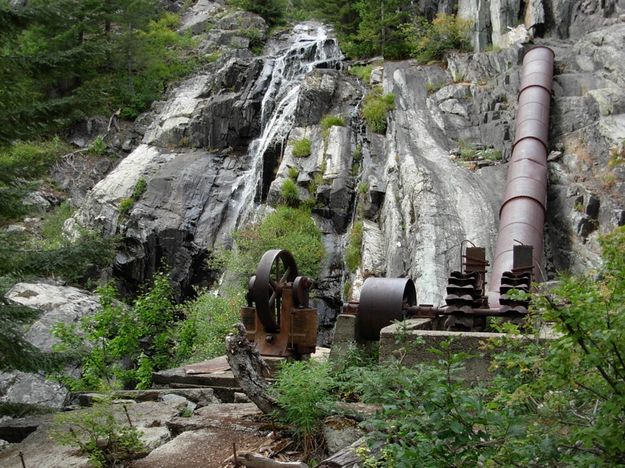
(412, 341)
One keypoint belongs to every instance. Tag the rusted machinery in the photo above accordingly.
(522, 213)
(519, 240)
(277, 317)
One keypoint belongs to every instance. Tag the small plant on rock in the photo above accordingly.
(329, 121)
(289, 192)
(302, 148)
(302, 389)
(375, 109)
(97, 433)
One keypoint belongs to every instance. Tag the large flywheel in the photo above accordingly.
(276, 268)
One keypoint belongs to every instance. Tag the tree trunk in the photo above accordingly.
(249, 370)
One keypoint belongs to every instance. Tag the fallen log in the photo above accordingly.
(255, 460)
(249, 369)
(346, 458)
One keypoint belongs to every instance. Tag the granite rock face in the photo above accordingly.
(58, 304)
(202, 158)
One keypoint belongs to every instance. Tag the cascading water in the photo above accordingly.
(308, 47)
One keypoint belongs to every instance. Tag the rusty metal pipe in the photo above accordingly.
(522, 214)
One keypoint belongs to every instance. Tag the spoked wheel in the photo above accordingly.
(276, 268)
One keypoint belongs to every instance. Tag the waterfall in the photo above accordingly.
(309, 46)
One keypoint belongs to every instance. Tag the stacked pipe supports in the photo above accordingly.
(522, 213)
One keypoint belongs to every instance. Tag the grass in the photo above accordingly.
(52, 228)
(289, 192)
(353, 250)
(362, 72)
(329, 121)
(375, 109)
(302, 147)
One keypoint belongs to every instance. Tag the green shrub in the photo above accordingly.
(302, 389)
(302, 148)
(362, 72)
(354, 246)
(125, 205)
(97, 433)
(289, 192)
(357, 154)
(74, 261)
(142, 334)
(293, 173)
(376, 106)
(97, 146)
(331, 121)
(208, 319)
(287, 228)
(20, 163)
(431, 41)
(140, 187)
(52, 228)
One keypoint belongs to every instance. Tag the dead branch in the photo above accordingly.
(249, 370)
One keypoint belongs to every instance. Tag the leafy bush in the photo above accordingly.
(376, 106)
(20, 163)
(331, 121)
(142, 335)
(302, 389)
(289, 192)
(208, 319)
(287, 228)
(431, 41)
(302, 148)
(353, 249)
(559, 402)
(75, 261)
(97, 433)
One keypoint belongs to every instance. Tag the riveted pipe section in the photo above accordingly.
(522, 213)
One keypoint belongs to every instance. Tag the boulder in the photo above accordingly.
(31, 389)
(58, 304)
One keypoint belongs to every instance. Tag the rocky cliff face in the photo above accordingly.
(220, 146)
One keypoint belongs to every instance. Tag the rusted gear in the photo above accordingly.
(276, 267)
(383, 300)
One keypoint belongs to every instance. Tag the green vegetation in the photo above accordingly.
(557, 402)
(126, 204)
(287, 228)
(97, 433)
(376, 106)
(302, 148)
(273, 11)
(362, 72)
(329, 121)
(97, 146)
(431, 41)
(289, 193)
(52, 228)
(293, 173)
(469, 153)
(65, 60)
(142, 334)
(21, 163)
(207, 321)
(354, 247)
(302, 390)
